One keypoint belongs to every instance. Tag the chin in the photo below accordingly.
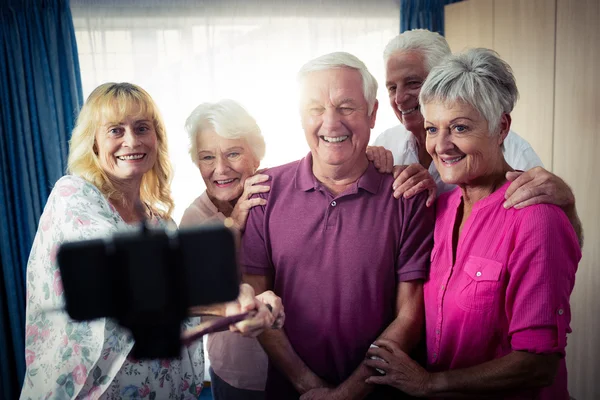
(227, 196)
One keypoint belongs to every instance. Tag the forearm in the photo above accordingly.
(284, 357)
(405, 330)
(515, 371)
(571, 213)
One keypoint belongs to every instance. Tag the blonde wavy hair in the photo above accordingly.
(113, 102)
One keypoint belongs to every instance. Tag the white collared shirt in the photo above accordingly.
(517, 151)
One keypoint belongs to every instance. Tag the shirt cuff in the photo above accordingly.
(411, 275)
(538, 341)
(255, 270)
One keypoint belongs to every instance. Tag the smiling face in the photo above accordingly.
(459, 141)
(126, 146)
(405, 73)
(335, 117)
(225, 164)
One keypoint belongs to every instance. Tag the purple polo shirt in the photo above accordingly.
(336, 261)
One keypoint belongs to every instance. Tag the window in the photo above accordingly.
(187, 52)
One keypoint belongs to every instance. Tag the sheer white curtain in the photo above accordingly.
(187, 52)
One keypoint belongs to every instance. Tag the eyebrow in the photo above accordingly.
(457, 118)
(238, 148)
(453, 121)
(346, 101)
(114, 123)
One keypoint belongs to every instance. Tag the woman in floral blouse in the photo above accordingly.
(118, 157)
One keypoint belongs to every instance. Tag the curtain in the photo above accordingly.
(185, 52)
(40, 93)
(425, 14)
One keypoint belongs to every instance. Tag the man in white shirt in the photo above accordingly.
(408, 59)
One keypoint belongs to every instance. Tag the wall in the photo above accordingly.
(553, 48)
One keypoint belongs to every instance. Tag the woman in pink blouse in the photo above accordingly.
(497, 301)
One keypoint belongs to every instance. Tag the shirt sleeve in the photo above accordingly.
(541, 278)
(416, 240)
(519, 154)
(65, 358)
(255, 256)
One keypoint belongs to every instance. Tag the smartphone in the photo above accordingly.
(147, 280)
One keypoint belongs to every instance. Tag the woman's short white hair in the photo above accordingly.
(228, 119)
(432, 45)
(478, 77)
(342, 59)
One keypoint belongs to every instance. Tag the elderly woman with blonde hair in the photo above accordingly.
(497, 300)
(118, 158)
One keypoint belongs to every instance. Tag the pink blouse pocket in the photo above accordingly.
(479, 284)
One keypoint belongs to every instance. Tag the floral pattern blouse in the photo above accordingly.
(89, 360)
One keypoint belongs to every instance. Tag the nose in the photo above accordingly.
(130, 138)
(444, 142)
(221, 165)
(402, 95)
(331, 119)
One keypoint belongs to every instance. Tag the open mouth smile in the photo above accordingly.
(331, 139)
(132, 157)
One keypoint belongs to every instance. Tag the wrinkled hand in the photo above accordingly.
(277, 311)
(412, 179)
(261, 318)
(537, 186)
(245, 202)
(401, 371)
(323, 393)
(381, 158)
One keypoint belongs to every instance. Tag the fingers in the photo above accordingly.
(432, 196)
(415, 184)
(512, 175)
(257, 323)
(543, 199)
(518, 182)
(406, 174)
(374, 155)
(276, 304)
(389, 162)
(246, 298)
(379, 380)
(388, 345)
(425, 184)
(377, 364)
(248, 204)
(397, 170)
(522, 194)
(378, 352)
(257, 178)
(251, 186)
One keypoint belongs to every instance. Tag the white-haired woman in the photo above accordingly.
(497, 300)
(227, 145)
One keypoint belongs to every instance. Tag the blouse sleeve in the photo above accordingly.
(542, 275)
(65, 358)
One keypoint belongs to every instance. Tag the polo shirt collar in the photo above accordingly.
(370, 180)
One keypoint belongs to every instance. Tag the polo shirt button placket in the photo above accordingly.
(333, 204)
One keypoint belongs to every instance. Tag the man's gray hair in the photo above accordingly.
(478, 77)
(343, 60)
(432, 45)
(228, 119)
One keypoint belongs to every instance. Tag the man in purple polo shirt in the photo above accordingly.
(347, 259)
